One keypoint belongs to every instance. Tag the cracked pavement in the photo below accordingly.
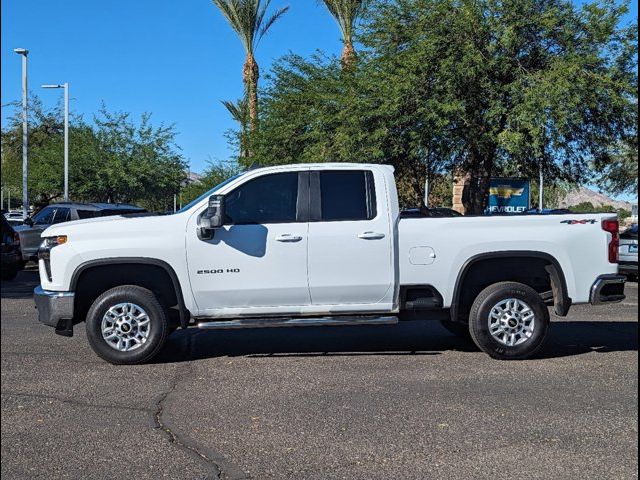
(408, 401)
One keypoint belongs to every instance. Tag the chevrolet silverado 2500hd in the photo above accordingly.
(320, 244)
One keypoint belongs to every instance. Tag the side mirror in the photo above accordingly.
(28, 221)
(212, 218)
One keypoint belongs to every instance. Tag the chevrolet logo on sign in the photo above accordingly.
(508, 196)
(506, 191)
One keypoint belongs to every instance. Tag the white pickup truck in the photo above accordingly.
(320, 244)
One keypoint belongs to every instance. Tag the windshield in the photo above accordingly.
(44, 216)
(208, 193)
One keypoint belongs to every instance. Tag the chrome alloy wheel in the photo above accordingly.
(511, 322)
(125, 327)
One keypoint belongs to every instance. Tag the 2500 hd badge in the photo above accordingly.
(218, 271)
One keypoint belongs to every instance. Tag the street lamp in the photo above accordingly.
(25, 195)
(65, 86)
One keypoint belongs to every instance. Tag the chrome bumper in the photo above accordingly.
(54, 308)
(608, 289)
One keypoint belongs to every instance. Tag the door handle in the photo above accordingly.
(288, 238)
(371, 236)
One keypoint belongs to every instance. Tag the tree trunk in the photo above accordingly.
(475, 195)
(348, 54)
(251, 74)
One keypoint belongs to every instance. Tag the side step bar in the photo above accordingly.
(296, 322)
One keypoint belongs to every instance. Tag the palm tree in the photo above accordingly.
(239, 111)
(346, 12)
(248, 19)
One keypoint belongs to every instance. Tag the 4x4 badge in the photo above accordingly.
(580, 222)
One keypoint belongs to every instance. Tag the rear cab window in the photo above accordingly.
(346, 195)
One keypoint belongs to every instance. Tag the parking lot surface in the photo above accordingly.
(394, 402)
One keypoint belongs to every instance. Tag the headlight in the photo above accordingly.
(48, 243)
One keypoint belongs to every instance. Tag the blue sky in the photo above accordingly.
(174, 58)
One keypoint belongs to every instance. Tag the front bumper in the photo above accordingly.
(608, 289)
(54, 308)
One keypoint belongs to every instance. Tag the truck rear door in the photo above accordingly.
(350, 239)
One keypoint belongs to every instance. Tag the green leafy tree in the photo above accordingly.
(523, 82)
(588, 207)
(112, 160)
(619, 174)
(214, 174)
(248, 18)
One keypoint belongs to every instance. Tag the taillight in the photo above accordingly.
(612, 226)
(16, 239)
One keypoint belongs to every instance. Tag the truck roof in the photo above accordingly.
(324, 166)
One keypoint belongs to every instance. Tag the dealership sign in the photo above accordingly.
(509, 195)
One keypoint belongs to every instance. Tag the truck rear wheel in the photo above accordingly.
(509, 321)
(127, 325)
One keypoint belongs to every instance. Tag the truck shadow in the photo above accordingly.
(567, 338)
(22, 286)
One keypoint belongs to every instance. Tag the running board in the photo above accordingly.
(296, 322)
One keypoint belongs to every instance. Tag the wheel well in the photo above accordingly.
(92, 281)
(540, 272)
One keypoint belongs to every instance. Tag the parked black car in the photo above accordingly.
(64, 212)
(11, 255)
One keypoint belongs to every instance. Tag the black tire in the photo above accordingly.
(9, 272)
(459, 329)
(479, 321)
(158, 326)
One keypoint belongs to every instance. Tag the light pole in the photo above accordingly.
(541, 192)
(25, 194)
(65, 86)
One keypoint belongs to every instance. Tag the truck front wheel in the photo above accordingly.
(127, 325)
(509, 321)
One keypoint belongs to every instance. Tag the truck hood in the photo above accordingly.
(22, 228)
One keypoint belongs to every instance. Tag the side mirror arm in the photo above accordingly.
(205, 230)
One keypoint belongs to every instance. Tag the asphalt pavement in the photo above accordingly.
(388, 402)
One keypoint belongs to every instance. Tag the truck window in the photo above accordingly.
(82, 214)
(347, 195)
(266, 199)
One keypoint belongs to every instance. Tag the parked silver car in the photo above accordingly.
(629, 251)
(14, 218)
(63, 212)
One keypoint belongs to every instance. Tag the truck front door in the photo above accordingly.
(258, 259)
